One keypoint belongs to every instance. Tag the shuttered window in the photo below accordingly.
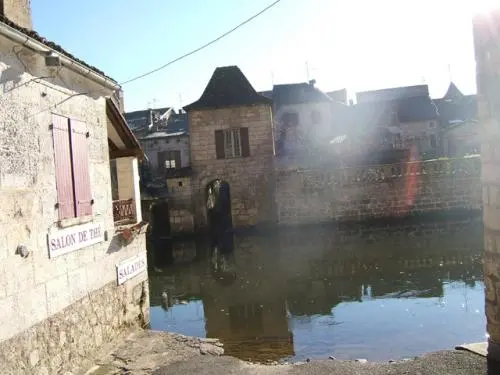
(74, 196)
(232, 143)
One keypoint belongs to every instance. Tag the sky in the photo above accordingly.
(353, 44)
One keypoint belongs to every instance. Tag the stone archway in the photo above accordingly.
(218, 206)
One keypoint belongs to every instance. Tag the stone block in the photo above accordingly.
(8, 310)
(32, 306)
(77, 283)
(58, 294)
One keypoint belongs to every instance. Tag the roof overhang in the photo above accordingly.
(122, 142)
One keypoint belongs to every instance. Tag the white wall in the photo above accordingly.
(36, 287)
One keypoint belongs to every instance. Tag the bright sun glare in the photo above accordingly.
(482, 6)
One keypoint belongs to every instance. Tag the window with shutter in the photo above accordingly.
(70, 138)
(219, 144)
(81, 175)
(64, 174)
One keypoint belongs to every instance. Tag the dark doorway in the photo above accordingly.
(218, 203)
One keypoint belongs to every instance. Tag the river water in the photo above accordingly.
(377, 292)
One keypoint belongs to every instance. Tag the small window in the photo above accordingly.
(433, 141)
(178, 140)
(232, 143)
(432, 125)
(316, 117)
(169, 164)
(180, 183)
(167, 141)
(290, 119)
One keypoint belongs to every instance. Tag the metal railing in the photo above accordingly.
(124, 211)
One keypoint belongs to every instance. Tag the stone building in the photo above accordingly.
(458, 123)
(405, 116)
(67, 270)
(231, 140)
(487, 50)
(303, 117)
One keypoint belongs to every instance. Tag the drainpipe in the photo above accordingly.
(36, 46)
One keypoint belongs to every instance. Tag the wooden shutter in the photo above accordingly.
(177, 158)
(81, 175)
(245, 142)
(219, 144)
(64, 175)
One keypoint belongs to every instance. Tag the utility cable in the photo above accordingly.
(202, 47)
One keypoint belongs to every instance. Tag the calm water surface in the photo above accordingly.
(378, 293)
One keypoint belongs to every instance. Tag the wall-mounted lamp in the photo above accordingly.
(22, 251)
(52, 60)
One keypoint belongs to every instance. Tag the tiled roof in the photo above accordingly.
(452, 92)
(394, 93)
(297, 93)
(420, 108)
(178, 122)
(228, 87)
(338, 95)
(142, 118)
(48, 43)
(463, 108)
(161, 134)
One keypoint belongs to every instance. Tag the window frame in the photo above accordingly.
(232, 143)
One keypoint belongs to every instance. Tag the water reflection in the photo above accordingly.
(374, 292)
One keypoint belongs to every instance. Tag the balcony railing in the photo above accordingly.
(124, 211)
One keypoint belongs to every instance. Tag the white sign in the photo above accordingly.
(67, 240)
(130, 268)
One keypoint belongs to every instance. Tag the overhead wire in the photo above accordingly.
(201, 47)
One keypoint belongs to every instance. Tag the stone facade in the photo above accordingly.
(397, 190)
(250, 178)
(163, 142)
(55, 311)
(487, 48)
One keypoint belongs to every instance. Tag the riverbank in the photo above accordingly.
(159, 353)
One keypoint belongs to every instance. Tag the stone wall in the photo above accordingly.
(249, 178)
(487, 50)
(68, 339)
(38, 292)
(397, 190)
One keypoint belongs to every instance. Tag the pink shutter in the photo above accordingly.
(79, 152)
(62, 157)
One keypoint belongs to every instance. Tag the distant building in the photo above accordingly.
(384, 124)
(457, 116)
(303, 116)
(231, 139)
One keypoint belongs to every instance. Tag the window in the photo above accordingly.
(433, 141)
(70, 137)
(232, 143)
(170, 159)
(290, 119)
(432, 125)
(316, 117)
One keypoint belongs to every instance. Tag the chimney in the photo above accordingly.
(312, 82)
(17, 11)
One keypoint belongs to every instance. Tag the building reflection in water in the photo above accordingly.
(258, 292)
